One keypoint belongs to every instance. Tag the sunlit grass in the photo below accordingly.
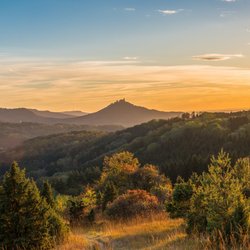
(76, 241)
(154, 233)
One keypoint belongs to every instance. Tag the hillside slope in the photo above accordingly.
(14, 134)
(177, 146)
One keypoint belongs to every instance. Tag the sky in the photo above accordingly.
(169, 55)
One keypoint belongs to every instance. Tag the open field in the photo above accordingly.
(156, 233)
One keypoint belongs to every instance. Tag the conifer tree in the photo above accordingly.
(23, 213)
(110, 193)
(47, 193)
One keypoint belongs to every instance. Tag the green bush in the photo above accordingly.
(133, 203)
(122, 172)
(118, 170)
(180, 203)
(218, 205)
(47, 193)
(58, 230)
(81, 208)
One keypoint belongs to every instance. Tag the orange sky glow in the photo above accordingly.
(91, 85)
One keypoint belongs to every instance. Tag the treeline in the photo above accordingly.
(215, 204)
(179, 146)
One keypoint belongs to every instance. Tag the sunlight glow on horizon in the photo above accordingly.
(91, 85)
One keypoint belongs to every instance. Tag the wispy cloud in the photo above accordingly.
(90, 85)
(170, 12)
(227, 13)
(229, 1)
(130, 58)
(130, 9)
(217, 57)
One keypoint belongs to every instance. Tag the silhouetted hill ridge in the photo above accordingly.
(123, 113)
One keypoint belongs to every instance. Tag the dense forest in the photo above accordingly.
(179, 146)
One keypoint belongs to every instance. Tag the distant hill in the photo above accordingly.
(49, 114)
(119, 113)
(19, 115)
(23, 115)
(75, 113)
(122, 113)
(14, 134)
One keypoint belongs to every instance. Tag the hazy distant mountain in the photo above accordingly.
(23, 115)
(75, 113)
(122, 113)
(49, 114)
(14, 134)
(19, 115)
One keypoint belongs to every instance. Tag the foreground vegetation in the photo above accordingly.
(128, 208)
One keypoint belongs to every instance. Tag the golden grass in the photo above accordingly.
(76, 241)
(155, 233)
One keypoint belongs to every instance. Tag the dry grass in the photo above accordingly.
(76, 241)
(155, 233)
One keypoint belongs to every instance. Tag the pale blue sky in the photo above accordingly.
(156, 31)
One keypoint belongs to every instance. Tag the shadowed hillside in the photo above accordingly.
(14, 134)
(178, 146)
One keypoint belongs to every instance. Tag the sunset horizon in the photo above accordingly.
(164, 55)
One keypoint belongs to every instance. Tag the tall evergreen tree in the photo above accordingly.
(47, 193)
(23, 213)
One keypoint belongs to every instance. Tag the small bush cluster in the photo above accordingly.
(122, 172)
(133, 203)
(125, 189)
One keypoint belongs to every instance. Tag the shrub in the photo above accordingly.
(218, 206)
(47, 193)
(148, 178)
(122, 172)
(109, 194)
(82, 206)
(180, 203)
(76, 210)
(132, 204)
(58, 230)
(118, 170)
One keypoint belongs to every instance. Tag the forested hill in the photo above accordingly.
(178, 146)
(14, 134)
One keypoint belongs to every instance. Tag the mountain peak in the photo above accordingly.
(121, 101)
(123, 113)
